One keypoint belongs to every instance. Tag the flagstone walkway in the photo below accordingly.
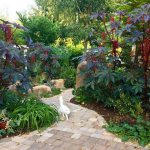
(83, 131)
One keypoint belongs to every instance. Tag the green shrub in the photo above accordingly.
(12, 67)
(139, 132)
(63, 53)
(67, 69)
(11, 100)
(42, 60)
(68, 55)
(69, 74)
(10, 129)
(99, 94)
(120, 88)
(26, 112)
(74, 58)
(80, 95)
(124, 104)
(33, 114)
(41, 29)
(53, 92)
(128, 105)
(86, 95)
(19, 37)
(11, 124)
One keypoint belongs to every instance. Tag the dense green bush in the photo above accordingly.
(11, 100)
(69, 74)
(11, 124)
(42, 60)
(124, 104)
(68, 60)
(119, 88)
(12, 67)
(69, 54)
(114, 73)
(140, 131)
(63, 53)
(127, 104)
(19, 37)
(27, 112)
(32, 114)
(10, 128)
(84, 95)
(41, 29)
(75, 55)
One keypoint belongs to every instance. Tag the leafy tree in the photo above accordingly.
(41, 29)
(132, 4)
(73, 15)
(127, 5)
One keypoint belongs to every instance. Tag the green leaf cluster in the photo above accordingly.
(139, 132)
(33, 115)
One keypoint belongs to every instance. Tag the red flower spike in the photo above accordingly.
(8, 34)
(145, 47)
(33, 59)
(94, 58)
(128, 20)
(115, 44)
(112, 19)
(142, 18)
(46, 53)
(103, 35)
(15, 62)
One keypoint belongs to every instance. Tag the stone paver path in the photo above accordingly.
(83, 131)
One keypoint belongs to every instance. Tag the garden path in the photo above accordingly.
(83, 131)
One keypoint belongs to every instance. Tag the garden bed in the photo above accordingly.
(109, 114)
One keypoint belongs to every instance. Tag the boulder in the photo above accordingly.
(40, 89)
(80, 77)
(13, 87)
(37, 90)
(58, 83)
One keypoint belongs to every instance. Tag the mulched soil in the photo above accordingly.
(109, 114)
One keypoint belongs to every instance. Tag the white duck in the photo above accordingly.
(63, 109)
